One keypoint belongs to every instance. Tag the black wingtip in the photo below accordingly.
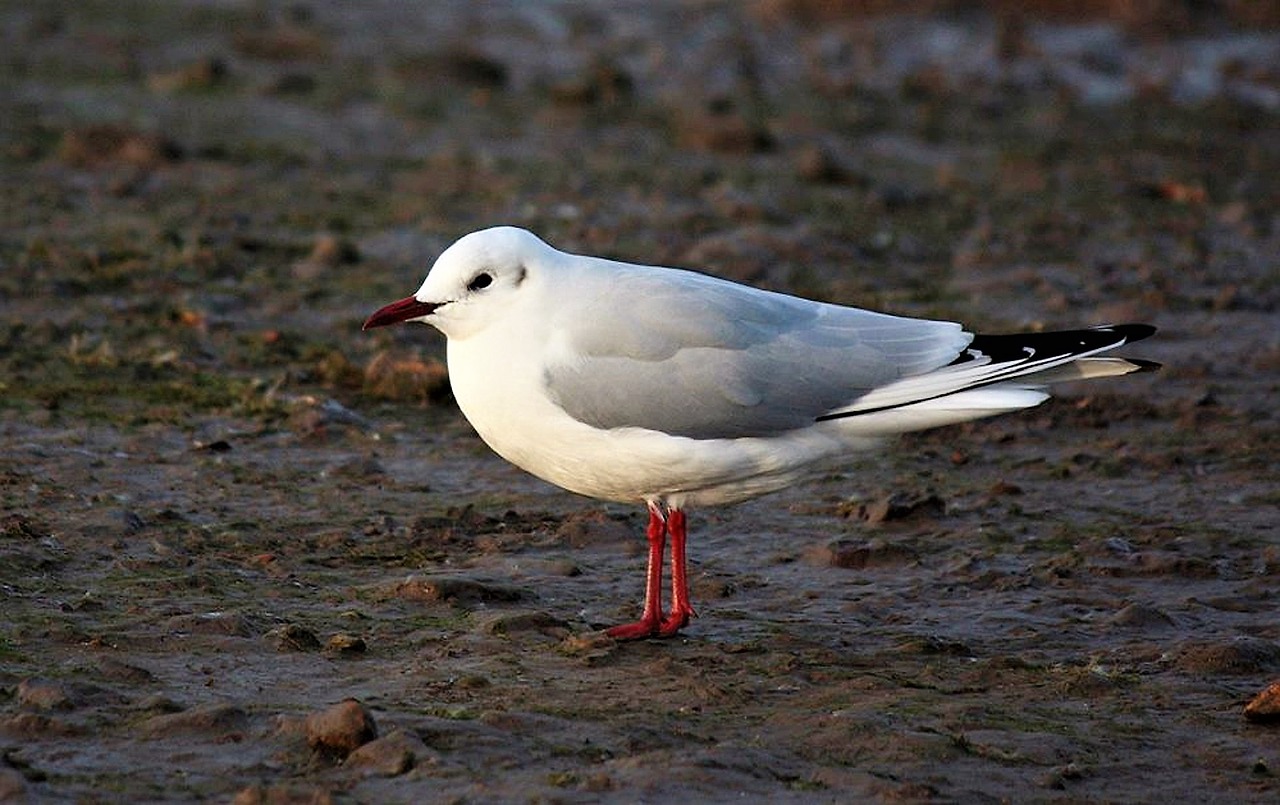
(1144, 366)
(1014, 347)
(1131, 332)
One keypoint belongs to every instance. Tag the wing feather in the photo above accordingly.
(692, 355)
(1030, 359)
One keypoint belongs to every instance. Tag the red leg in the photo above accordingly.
(651, 619)
(681, 608)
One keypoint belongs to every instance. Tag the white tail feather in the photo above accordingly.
(949, 410)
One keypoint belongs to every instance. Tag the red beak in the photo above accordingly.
(405, 309)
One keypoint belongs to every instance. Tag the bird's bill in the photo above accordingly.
(396, 312)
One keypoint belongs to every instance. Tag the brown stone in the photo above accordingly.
(345, 645)
(42, 695)
(342, 728)
(391, 755)
(1265, 707)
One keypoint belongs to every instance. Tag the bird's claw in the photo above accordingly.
(667, 626)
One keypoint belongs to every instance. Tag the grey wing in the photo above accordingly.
(704, 358)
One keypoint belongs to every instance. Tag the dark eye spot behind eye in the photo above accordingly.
(482, 280)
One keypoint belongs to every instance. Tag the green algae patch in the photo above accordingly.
(137, 394)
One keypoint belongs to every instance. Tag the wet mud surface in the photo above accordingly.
(225, 511)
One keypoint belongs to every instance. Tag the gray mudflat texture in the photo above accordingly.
(225, 511)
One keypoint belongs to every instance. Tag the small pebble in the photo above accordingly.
(392, 755)
(342, 728)
(896, 506)
(345, 645)
(1265, 707)
(454, 589)
(1141, 616)
(855, 555)
(292, 637)
(42, 695)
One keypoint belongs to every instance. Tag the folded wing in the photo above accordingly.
(695, 356)
(1006, 363)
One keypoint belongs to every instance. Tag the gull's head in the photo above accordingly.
(473, 282)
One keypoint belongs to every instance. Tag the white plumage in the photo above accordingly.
(672, 388)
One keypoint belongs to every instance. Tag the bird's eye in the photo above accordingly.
(482, 280)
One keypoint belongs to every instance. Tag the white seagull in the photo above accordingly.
(672, 388)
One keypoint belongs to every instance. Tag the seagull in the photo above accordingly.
(672, 388)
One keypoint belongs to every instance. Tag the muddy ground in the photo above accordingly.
(226, 509)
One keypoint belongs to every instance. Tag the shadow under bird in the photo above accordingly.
(671, 388)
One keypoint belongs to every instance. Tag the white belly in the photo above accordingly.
(505, 402)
